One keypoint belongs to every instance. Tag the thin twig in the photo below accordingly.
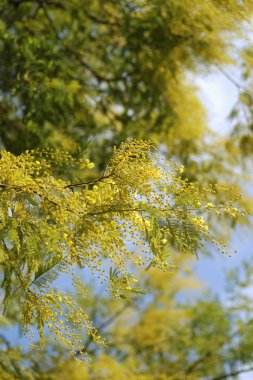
(82, 184)
(232, 374)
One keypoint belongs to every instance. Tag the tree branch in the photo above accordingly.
(57, 4)
(232, 374)
(229, 77)
(81, 184)
(209, 353)
(101, 21)
(198, 361)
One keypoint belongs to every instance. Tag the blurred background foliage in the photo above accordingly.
(87, 76)
(84, 76)
(171, 333)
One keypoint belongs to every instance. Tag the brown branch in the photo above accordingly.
(94, 213)
(210, 353)
(81, 184)
(198, 361)
(116, 211)
(57, 4)
(101, 21)
(83, 62)
(229, 77)
(232, 374)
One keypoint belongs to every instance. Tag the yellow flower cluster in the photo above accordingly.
(200, 223)
(138, 212)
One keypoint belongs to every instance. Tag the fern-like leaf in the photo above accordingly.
(46, 274)
(184, 235)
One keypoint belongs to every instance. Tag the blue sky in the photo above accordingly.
(219, 95)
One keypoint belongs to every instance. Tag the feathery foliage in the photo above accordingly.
(49, 224)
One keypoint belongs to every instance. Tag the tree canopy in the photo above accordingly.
(73, 76)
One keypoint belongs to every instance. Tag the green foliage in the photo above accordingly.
(47, 274)
(92, 76)
(240, 142)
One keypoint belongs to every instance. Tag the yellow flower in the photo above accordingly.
(181, 169)
(90, 165)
